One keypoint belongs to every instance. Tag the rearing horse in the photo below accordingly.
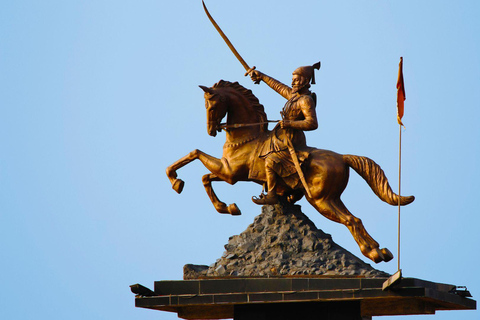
(326, 172)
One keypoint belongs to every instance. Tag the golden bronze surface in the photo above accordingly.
(250, 146)
(280, 159)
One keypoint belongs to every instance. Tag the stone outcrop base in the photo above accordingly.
(282, 241)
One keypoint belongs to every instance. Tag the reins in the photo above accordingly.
(225, 126)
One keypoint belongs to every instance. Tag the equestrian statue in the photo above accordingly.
(280, 159)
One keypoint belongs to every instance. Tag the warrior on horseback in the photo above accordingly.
(252, 153)
(286, 149)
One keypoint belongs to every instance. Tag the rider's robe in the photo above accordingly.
(300, 110)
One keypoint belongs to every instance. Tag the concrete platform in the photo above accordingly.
(276, 298)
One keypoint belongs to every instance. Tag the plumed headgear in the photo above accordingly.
(308, 72)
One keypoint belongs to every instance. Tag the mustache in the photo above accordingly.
(298, 87)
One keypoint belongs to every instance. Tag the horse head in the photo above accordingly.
(239, 103)
(215, 103)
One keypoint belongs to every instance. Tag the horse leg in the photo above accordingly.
(335, 210)
(220, 206)
(219, 167)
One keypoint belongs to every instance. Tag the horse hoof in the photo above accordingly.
(376, 255)
(387, 255)
(234, 210)
(178, 185)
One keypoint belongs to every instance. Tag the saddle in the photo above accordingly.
(272, 146)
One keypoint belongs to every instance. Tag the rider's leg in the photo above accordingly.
(271, 182)
(271, 196)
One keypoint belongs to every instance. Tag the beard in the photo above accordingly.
(298, 88)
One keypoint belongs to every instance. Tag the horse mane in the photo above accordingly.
(255, 104)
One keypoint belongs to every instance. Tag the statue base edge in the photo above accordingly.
(224, 298)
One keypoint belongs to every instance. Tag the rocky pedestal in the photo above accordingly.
(282, 268)
(282, 241)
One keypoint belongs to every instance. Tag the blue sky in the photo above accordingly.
(97, 98)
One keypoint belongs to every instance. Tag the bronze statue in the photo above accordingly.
(326, 172)
(281, 158)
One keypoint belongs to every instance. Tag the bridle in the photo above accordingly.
(226, 126)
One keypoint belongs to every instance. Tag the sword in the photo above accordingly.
(229, 44)
(293, 154)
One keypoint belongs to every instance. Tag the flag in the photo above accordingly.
(400, 92)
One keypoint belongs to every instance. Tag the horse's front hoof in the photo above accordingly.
(234, 210)
(178, 185)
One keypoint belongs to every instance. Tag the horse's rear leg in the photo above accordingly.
(214, 165)
(335, 210)
(220, 206)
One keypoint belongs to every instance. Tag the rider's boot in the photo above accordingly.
(271, 197)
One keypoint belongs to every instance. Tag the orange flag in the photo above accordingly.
(400, 92)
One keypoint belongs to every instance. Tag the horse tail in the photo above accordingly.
(376, 179)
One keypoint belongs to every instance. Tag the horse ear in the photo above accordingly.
(207, 90)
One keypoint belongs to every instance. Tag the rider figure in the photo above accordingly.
(298, 115)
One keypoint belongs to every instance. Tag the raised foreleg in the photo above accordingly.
(220, 206)
(219, 167)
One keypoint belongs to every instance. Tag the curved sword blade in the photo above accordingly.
(229, 44)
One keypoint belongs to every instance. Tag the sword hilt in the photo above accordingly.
(248, 73)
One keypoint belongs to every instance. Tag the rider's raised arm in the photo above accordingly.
(284, 90)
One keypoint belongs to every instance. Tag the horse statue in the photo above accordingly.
(326, 172)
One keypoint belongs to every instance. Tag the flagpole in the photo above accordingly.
(400, 106)
(400, 99)
(399, 186)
